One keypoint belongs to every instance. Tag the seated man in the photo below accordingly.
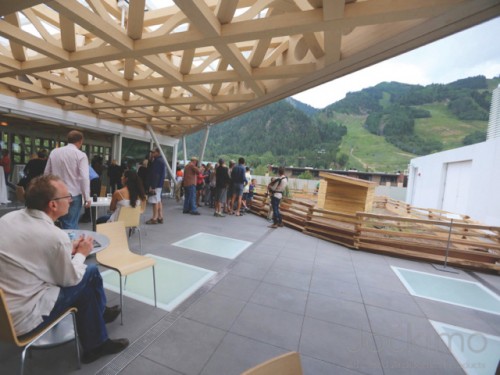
(43, 273)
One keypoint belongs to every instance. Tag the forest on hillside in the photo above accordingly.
(292, 133)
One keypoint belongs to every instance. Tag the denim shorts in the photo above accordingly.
(237, 189)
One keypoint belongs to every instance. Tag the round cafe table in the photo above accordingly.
(100, 240)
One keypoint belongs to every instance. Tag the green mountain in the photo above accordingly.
(379, 128)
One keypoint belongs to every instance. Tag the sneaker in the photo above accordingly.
(185, 212)
(273, 226)
(281, 225)
(109, 347)
(111, 313)
(216, 214)
(195, 213)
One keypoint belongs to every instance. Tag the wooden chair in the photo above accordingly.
(8, 334)
(285, 364)
(119, 258)
(102, 193)
(131, 217)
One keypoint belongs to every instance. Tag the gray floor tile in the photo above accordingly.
(143, 365)
(237, 353)
(215, 310)
(380, 277)
(335, 310)
(343, 346)
(287, 278)
(237, 287)
(185, 347)
(249, 270)
(271, 326)
(391, 300)
(460, 316)
(302, 252)
(312, 366)
(302, 266)
(400, 358)
(280, 298)
(258, 258)
(336, 288)
(405, 327)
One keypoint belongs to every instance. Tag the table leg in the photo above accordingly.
(93, 217)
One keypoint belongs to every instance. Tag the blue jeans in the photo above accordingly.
(275, 203)
(70, 220)
(190, 198)
(89, 298)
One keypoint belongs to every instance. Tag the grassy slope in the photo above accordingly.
(370, 151)
(444, 127)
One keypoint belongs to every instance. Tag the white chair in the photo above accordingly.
(285, 364)
(119, 258)
(61, 332)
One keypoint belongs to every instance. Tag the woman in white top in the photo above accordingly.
(131, 195)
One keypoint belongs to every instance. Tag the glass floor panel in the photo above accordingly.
(478, 353)
(224, 247)
(175, 281)
(458, 292)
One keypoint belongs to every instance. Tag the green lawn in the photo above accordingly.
(370, 152)
(443, 127)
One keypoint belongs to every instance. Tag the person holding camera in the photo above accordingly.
(276, 189)
(191, 172)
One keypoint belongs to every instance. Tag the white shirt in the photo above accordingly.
(72, 166)
(35, 261)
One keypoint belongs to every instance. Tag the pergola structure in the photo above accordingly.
(175, 66)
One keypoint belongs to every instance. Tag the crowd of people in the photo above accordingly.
(42, 271)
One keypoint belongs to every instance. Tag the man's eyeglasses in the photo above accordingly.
(70, 197)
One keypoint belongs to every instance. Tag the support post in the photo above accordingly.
(184, 149)
(204, 144)
(153, 135)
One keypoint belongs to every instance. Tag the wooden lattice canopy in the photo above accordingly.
(178, 65)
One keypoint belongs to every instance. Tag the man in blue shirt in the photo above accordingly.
(239, 181)
(155, 181)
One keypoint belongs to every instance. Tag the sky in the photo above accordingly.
(472, 52)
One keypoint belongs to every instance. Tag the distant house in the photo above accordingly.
(465, 180)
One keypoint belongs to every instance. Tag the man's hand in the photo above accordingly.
(83, 245)
(88, 203)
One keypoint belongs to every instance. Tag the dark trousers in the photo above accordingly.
(275, 203)
(89, 298)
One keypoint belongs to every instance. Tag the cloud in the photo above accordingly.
(472, 52)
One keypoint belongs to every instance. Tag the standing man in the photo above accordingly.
(239, 181)
(43, 273)
(221, 182)
(276, 188)
(191, 172)
(115, 174)
(155, 183)
(72, 166)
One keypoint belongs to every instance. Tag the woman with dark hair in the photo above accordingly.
(131, 195)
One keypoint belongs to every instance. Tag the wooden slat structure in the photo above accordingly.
(428, 235)
(176, 66)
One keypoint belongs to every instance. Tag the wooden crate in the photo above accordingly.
(345, 194)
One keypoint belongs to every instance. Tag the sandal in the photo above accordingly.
(160, 220)
(152, 221)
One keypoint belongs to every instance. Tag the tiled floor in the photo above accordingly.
(345, 311)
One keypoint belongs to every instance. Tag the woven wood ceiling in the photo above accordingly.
(180, 65)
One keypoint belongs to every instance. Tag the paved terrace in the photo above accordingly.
(345, 311)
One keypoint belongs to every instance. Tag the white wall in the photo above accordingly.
(480, 200)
